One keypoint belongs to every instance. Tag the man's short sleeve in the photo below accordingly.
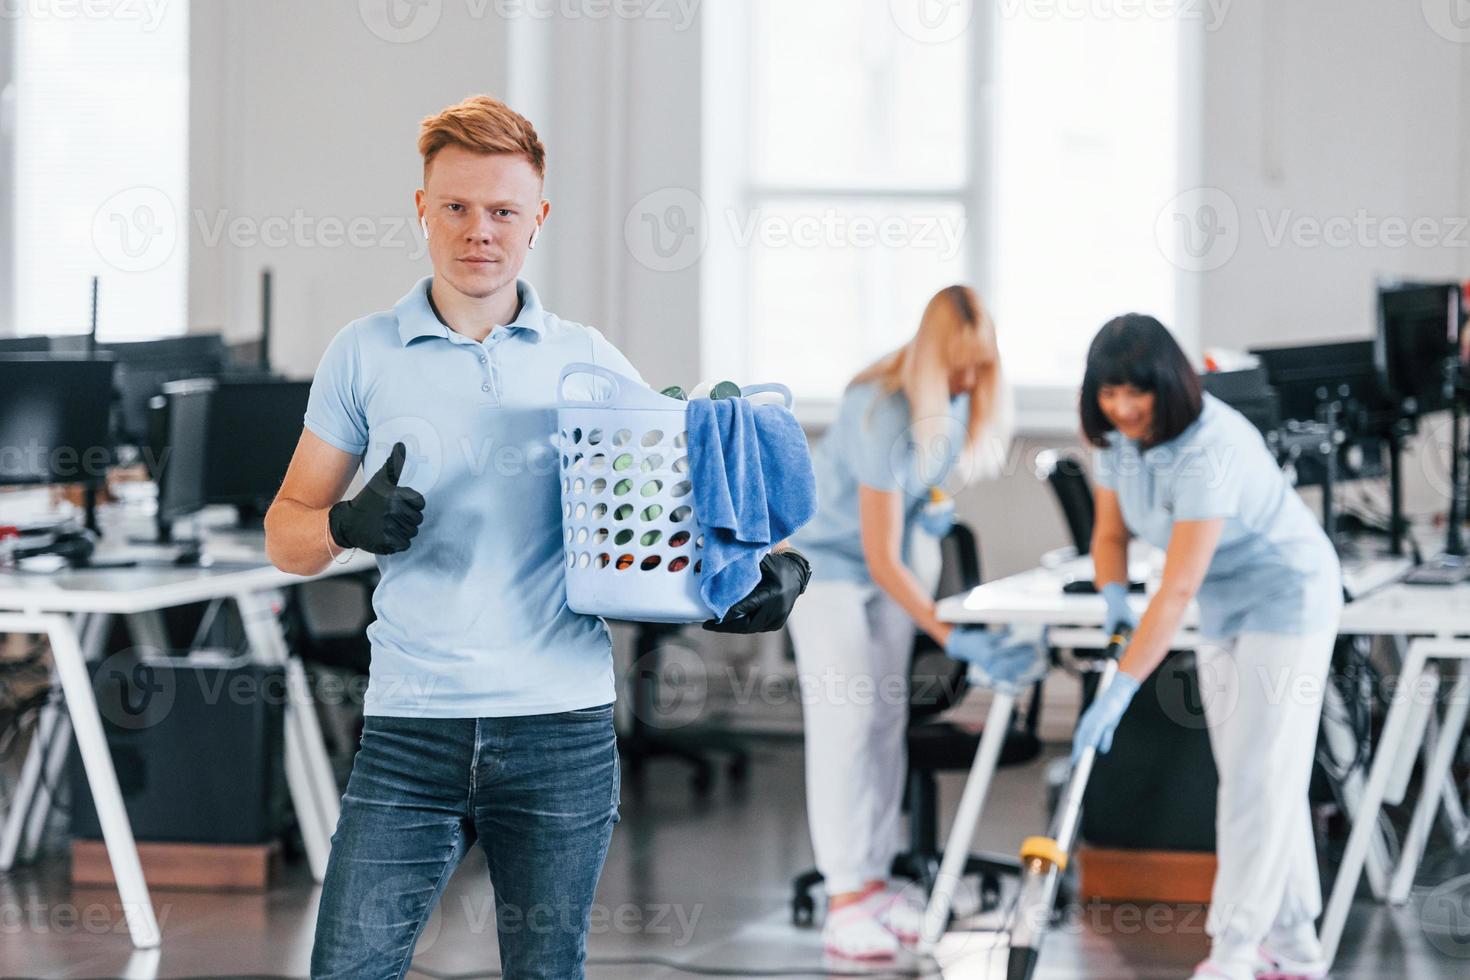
(334, 409)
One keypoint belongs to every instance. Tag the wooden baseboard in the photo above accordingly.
(1145, 876)
(211, 867)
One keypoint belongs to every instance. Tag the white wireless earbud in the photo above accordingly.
(535, 235)
(424, 224)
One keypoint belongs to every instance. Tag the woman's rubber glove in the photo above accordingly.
(937, 516)
(1120, 613)
(1097, 724)
(996, 660)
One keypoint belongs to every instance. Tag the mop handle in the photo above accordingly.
(1044, 859)
(1069, 809)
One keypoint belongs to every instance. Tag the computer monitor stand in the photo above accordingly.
(1329, 416)
(89, 508)
(189, 550)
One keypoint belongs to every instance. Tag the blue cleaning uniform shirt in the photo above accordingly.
(1274, 570)
(472, 619)
(870, 444)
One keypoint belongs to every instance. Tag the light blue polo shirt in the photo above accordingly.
(870, 444)
(1274, 570)
(472, 619)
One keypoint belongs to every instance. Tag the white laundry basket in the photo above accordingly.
(633, 540)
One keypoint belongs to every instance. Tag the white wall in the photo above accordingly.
(304, 122)
(617, 106)
(1317, 110)
(300, 112)
(1322, 107)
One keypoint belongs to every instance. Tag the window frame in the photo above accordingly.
(10, 246)
(1043, 408)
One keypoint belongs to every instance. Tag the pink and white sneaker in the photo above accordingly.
(1278, 966)
(1214, 970)
(900, 911)
(854, 932)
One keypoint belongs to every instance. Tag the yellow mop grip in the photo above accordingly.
(1044, 849)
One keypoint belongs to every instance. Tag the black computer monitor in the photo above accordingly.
(254, 426)
(25, 345)
(1418, 340)
(178, 440)
(54, 419)
(143, 367)
(1248, 392)
(1308, 377)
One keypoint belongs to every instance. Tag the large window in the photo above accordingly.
(860, 154)
(99, 155)
(1087, 142)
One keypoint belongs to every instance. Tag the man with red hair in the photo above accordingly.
(488, 715)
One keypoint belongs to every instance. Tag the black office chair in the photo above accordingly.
(1069, 483)
(350, 650)
(937, 683)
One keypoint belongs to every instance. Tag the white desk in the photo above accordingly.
(73, 609)
(1036, 597)
(1435, 621)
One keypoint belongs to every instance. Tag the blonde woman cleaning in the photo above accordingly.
(928, 412)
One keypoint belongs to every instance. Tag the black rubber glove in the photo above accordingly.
(784, 575)
(383, 517)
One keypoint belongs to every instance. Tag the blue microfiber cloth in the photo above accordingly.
(751, 472)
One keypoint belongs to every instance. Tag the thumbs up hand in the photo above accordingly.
(383, 517)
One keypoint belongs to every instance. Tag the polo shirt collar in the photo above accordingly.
(416, 317)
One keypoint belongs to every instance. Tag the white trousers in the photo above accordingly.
(1262, 695)
(853, 645)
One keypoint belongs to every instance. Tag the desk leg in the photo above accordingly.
(1416, 733)
(57, 750)
(1365, 821)
(23, 799)
(1437, 767)
(1342, 744)
(94, 628)
(1452, 810)
(45, 760)
(962, 833)
(149, 631)
(308, 767)
(122, 851)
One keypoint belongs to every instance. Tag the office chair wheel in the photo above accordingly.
(803, 911)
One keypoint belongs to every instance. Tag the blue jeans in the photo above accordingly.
(540, 794)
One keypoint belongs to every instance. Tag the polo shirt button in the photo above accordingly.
(484, 387)
(482, 358)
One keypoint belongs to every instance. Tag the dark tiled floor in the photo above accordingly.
(699, 883)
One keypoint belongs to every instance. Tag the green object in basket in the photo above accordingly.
(725, 389)
(651, 512)
(623, 462)
(674, 391)
(649, 538)
(650, 488)
(623, 487)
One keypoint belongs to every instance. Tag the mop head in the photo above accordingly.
(980, 954)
